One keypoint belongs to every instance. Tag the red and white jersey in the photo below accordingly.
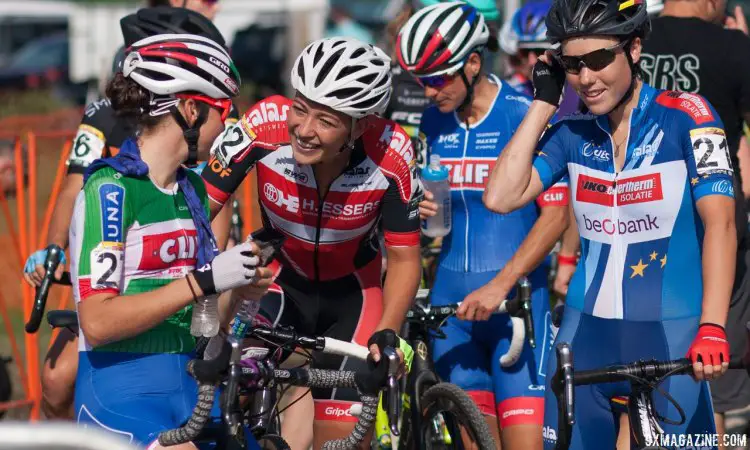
(328, 237)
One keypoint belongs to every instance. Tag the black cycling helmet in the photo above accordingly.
(571, 18)
(148, 22)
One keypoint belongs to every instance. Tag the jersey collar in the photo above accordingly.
(645, 99)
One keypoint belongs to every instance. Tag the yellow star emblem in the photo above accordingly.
(663, 261)
(540, 153)
(653, 256)
(694, 181)
(638, 268)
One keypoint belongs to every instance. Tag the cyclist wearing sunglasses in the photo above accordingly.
(651, 182)
(484, 255)
(140, 230)
(100, 134)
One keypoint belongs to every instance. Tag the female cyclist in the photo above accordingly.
(329, 171)
(139, 231)
(652, 186)
(100, 135)
(485, 254)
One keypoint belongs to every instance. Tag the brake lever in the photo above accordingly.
(394, 405)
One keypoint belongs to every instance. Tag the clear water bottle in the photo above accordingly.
(205, 321)
(435, 180)
(242, 323)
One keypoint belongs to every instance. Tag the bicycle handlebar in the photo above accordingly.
(566, 378)
(54, 254)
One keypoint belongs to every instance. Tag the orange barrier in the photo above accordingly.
(28, 237)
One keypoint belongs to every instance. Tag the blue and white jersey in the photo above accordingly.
(641, 235)
(481, 240)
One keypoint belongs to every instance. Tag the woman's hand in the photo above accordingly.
(427, 208)
(258, 288)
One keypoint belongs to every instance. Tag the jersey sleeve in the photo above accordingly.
(234, 153)
(557, 195)
(551, 161)
(90, 140)
(102, 235)
(706, 155)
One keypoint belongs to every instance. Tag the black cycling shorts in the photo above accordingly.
(347, 308)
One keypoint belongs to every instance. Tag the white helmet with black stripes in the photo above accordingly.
(168, 64)
(344, 74)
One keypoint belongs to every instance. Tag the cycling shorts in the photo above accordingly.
(348, 308)
(597, 342)
(469, 354)
(137, 395)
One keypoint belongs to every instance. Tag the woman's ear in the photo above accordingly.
(635, 49)
(473, 65)
(189, 110)
(360, 126)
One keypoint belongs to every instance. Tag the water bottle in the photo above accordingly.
(435, 180)
(205, 321)
(242, 322)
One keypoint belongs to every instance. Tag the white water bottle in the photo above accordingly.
(205, 320)
(435, 180)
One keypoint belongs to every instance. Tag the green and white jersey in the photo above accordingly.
(129, 236)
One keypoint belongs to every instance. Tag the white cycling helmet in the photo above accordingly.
(168, 64)
(437, 39)
(344, 74)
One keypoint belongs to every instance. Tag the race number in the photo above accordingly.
(106, 265)
(233, 142)
(711, 151)
(88, 145)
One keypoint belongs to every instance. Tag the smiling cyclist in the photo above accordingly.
(654, 207)
(485, 254)
(329, 171)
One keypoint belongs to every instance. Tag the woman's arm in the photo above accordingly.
(514, 182)
(719, 254)
(401, 283)
(107, 318)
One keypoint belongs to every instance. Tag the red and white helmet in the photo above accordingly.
(437, 39)
(168, 64)
(344, 74)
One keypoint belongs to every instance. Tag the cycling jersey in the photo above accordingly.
(481, 240)
(332, 236)
(640, 231)
(102, 132)
(479, 245)
(129, 236)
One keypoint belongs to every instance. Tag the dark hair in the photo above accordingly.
(154, 3)
(131, 101)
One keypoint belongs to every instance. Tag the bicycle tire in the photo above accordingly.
(272, 442)
(449, 398)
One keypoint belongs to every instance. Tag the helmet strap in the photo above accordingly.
(469, 87)
(191, 133)
(350, 144)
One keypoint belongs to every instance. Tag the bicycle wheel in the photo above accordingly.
(273, 442)
(447, 410)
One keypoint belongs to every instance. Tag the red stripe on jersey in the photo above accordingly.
(85, 290)
(554, 196)
(216, 194)
(372, 301)
(408, 239)
(468, 173)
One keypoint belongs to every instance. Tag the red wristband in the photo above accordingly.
(563, 260)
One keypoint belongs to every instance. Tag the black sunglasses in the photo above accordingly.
(596, 60)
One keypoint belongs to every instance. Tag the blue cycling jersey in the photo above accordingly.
(480, 240)
(640, 231)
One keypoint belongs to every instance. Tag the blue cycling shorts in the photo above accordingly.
(470, 353)
(137, 396)
(597, 342)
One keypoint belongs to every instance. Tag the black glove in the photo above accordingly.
(548, 82)
(383, 339)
